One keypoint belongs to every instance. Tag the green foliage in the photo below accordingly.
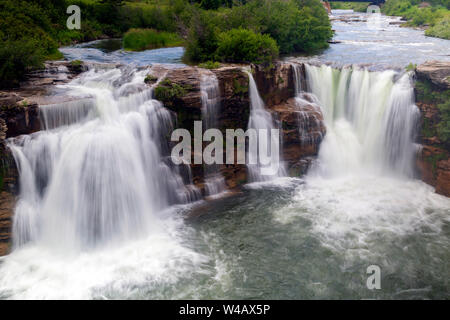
(441, 29)
(32, 30)
(144, 39)
(411, 66)
(150, 79)
(436, 17)
(242, 45)
(441, 98)
(443, 127)
(169, 91)
(18, 57)
(210, 65)
(355, 6)
(295, 25)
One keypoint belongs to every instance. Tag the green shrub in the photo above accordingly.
(17, 58)
(242, 45)
(436, 17)
(143, 39)
(295, 25)
(169, 91)
(201, 43)
(441, 29)
(411, 67)
(210, 65)
(355, 6)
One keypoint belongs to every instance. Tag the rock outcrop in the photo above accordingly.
(180, 92)
(436, 72)
(433, 99)
(300, 120)
(20, 115)
(303, 130)
(275, 84)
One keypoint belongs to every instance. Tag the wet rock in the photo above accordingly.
(20, 116)
(438, 72)
(432, 90)
(6, 212)
(303, 130)
(275, 84)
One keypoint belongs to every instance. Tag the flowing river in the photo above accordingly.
(124, 235)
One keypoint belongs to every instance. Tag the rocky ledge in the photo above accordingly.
(300, 120)
(19, 114)
(433, 99)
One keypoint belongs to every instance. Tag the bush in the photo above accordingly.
(295, 25)
(202, 41)
(143, 39)
(437, 17)
(441, 29)
(242, 45)
(210, 65)
(18, 57)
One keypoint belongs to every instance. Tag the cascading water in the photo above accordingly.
(259, 119)
(306, 101)
(100, 174)
(209, 87)
(371, 120)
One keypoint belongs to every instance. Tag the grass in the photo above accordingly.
(145, 39)
(355, 6)
(210, 65)
(441, 29)
(435, 19)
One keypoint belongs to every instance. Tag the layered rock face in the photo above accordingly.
(433, 100)
(300, 121)
(180, 92)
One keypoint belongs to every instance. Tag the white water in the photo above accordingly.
(363, 186)
(96, 183)
(306, 101)
(349, 219)
(209, 87)
(261, 119)
(371, 120)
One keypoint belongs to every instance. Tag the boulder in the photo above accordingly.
(437, 72)
(275, 84)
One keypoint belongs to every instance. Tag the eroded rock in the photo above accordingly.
(433, 100)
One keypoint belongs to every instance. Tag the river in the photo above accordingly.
(288, 238)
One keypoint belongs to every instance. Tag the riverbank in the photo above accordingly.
(433, 16)
(32, 36)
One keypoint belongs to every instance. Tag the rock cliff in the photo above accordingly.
(433, 99)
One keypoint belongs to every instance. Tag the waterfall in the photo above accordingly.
(306, 102)
(209, 87)
(259, 119)
(371, 120)
(297, 78)
(101, 171)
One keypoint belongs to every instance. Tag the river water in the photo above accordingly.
(309, 238)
